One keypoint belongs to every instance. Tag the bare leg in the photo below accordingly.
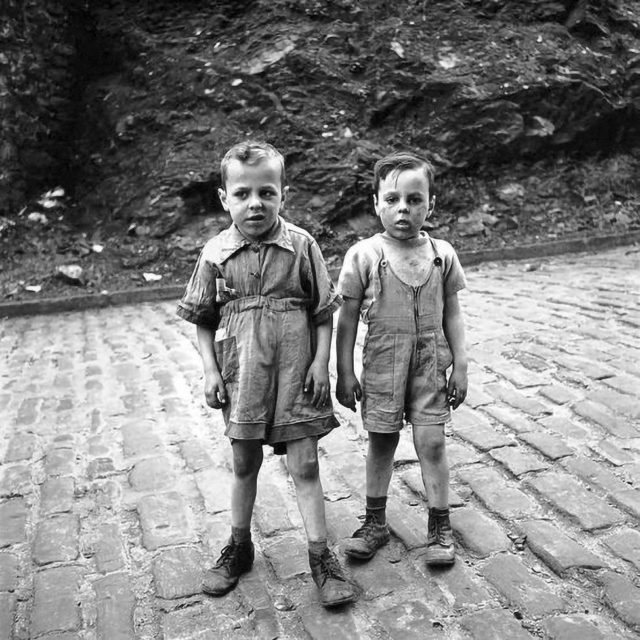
(247, 460)
(382, 448)
(429, 441)
(302, 462)
(237, 557)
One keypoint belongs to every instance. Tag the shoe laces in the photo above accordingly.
(228, 555)
(439, 526)
(330, 567)
(367, 530)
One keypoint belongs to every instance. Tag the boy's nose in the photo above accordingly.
(255, 202)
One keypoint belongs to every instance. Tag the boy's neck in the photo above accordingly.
(417, 241)
(264, 236)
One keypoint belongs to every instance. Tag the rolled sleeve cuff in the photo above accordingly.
(324, 314)
(203, 318)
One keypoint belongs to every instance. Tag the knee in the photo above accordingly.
(434, 450)
(431, 447)
(247, 464)
(383, 445)
(304, 470)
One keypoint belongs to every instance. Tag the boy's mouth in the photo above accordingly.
(255, 218)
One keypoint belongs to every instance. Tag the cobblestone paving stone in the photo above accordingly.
(115, 480)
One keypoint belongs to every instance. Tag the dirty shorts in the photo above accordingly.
(264, 349)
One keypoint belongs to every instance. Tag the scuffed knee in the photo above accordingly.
(430, 443)
(434, 451)
(307, 470)
(245, 469)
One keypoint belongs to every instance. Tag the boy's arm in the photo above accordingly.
(348, 389)
(453, 325)
(215, 392)
(318, 373)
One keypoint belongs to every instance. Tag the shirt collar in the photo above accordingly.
(233, 240)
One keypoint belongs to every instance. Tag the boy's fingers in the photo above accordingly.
(307, 382)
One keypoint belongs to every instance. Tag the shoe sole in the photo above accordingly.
(337, 603)
(364, 556)
(360, 556)
(440, 563)
(218, 594)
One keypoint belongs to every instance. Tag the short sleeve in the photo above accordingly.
(325, 298)
(198, 304)
(351, 283)
(454, 278)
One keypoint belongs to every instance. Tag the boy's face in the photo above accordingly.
(253, 196)
(403, 203)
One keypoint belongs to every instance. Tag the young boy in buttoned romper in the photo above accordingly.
(263, 303)
(404, 285)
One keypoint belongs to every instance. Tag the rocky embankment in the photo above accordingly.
(529, 110)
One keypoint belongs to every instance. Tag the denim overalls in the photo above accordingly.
(406, 353)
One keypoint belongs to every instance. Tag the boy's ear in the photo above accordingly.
(222, 194)
(285, 193)
(375, 202)
(432, 205)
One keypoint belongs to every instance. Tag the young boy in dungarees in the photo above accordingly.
(404, 284)
(263, 303)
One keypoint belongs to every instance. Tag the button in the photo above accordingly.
(437, 261)
(255, 248)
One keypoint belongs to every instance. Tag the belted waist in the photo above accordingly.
(409, 323)
(258, 302)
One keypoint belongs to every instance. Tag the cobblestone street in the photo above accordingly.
(114, 481)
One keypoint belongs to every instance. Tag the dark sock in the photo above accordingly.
(317, 547)
(376, 508)
(439, 512)
(240, 534)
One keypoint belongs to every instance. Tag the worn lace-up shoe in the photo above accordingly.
(329, 578)
(234, 560)
(365, 541)
(440, 544)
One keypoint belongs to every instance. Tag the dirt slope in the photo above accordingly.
(529, 110)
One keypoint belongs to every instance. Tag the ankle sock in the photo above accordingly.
(240, 534)
(376, 507)
(317, 547)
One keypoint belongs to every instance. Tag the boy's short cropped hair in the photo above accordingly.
(251, 152)
(401, 161)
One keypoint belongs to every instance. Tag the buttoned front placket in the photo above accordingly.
(257, 260)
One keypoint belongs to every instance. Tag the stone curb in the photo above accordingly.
(467, 258)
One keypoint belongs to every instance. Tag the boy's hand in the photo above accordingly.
(215, 392)
(457, 388)
(348, 390)
(317, 380)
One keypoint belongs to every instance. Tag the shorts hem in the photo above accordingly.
(378, 428)
(446, 419)
(281, 433)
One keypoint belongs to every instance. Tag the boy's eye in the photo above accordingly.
(415, 200)
(268, 193)
(391, 199)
